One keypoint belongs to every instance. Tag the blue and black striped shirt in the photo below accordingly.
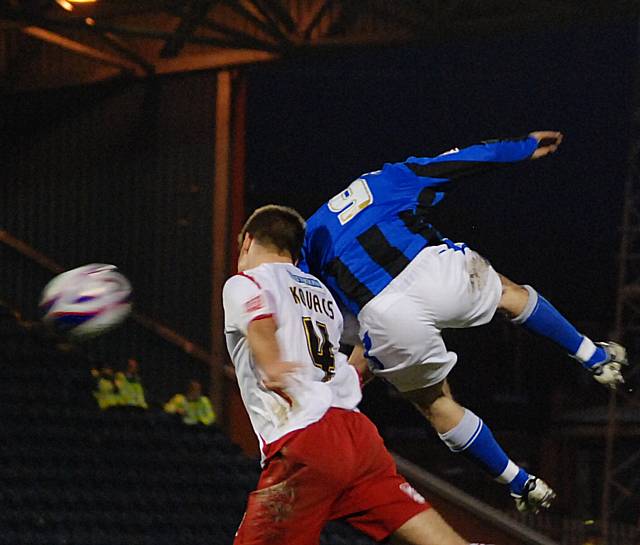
(366, 235)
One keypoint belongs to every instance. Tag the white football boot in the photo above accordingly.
(609, 372)
(536, 495)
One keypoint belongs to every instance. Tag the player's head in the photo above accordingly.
(272, 229)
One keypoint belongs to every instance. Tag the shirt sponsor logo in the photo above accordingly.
(254, 304)
(306, 281)
(412, 493)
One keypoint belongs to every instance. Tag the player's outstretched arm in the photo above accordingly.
(548, 142)
(473, 160)
(261, 335)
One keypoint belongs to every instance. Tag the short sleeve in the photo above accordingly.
(244, 301)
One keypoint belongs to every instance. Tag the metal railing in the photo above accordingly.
(490, 516)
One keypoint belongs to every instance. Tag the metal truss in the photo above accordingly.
(146, 36)
(621, 487)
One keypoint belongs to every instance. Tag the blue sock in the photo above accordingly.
(541, 317)
(474, 439)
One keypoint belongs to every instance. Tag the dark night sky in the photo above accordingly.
(315, 126)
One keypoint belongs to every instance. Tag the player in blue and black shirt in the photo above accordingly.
(374, 246)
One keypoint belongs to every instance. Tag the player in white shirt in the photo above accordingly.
(322, 459)
(308, 327)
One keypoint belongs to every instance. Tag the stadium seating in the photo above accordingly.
(73, 475)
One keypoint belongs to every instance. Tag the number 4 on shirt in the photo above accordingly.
(320, 348)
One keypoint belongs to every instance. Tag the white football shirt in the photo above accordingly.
(309, 325)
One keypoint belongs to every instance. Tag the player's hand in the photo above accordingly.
(358, 360)
(278, 374)
(548, 142)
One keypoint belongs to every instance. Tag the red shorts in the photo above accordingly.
(337, 468)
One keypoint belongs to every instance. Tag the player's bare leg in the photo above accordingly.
(526, 307)
(427, 528)
(437, 404)
(514, 298)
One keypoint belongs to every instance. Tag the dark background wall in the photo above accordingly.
(117, 173)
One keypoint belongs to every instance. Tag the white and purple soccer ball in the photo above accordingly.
(87, 301)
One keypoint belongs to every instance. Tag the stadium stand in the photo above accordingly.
(74, 475)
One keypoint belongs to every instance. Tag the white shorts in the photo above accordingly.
(445, 286)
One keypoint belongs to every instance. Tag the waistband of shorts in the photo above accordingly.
(271, 449)
(411, 273)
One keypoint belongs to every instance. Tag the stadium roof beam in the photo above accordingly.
(213, 61)
(121, 47)
(79, 48)
(313, 18)
(133, 28)
(277, 16)
(249, 13)
(193, 14)
(119, 30)
(239, 39)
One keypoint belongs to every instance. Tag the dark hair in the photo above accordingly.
(278, 226)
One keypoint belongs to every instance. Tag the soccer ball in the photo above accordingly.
(87, 301)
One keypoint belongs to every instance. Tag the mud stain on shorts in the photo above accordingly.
(277, 501)
(478, 270)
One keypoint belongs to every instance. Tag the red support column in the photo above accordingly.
(238, 160)
(220, 242)
(228, 217)
(239, 426)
